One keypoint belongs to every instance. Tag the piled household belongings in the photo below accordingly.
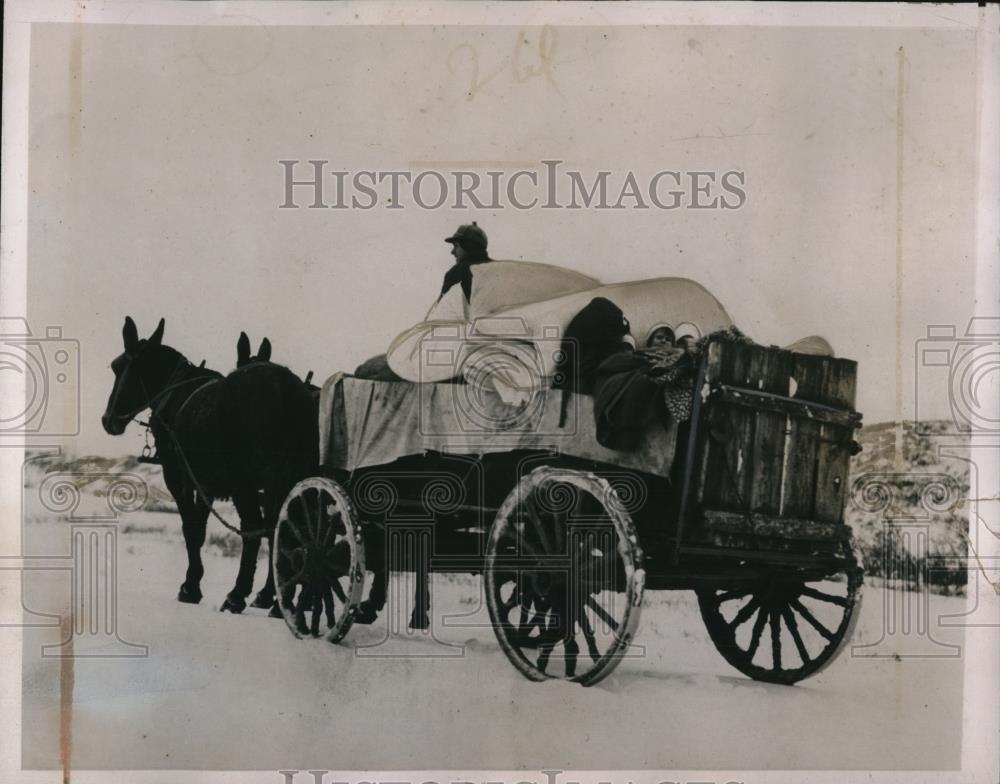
(530, 334)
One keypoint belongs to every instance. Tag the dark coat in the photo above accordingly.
(626, 400)
(461, 273)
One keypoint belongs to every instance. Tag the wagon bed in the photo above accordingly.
(744, 504)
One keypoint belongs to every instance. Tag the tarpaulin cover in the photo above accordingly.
(368, 423)
(504, 341)
(430, 351)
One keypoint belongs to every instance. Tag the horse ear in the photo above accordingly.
(264, 352)
(130, 334)
(157, 335)
(242, 349)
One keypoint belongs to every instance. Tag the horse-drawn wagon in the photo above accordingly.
(744, 505)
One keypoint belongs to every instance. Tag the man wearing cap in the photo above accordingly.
(468, 246)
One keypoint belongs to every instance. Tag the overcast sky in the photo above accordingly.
(155, 183)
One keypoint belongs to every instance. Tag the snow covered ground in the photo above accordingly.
(239, 692)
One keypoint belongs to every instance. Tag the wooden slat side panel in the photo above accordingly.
(769, 372)
(841, 383)
(799, 491)
(833, 454)
(767, 451)
(810, 374)
(745, 466)
(730, 428)
(831, 474)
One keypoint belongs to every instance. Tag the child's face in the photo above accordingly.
(660, 339)
(688, 343)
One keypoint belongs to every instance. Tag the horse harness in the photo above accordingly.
(156, 407)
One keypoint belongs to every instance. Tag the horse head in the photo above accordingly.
(141, 371)
(243, 357)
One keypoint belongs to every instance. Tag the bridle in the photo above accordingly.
(156, 403)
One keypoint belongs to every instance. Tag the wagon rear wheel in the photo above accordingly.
(319, 560)
(783, 628)
(564, 577)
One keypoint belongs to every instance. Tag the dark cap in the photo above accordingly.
(470, 237)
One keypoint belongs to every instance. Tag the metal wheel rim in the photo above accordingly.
(348, 546)
(772, 611)
(627, 551)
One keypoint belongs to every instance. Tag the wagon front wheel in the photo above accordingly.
(319, 560)
(564, 577)
(782, 629)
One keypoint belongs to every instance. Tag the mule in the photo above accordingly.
(218, 437)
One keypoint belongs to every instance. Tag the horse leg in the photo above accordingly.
(193, 525)
(273, 499)
(369, 609)
(377, 556)
(419, 618)
(194, 516)
(248, 506)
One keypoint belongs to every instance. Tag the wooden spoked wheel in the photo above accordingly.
(319, 560)
(564, 577)
(783, 628)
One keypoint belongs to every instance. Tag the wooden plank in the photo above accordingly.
(703, 491)
(810, 374)
(730, 429)
(751, 556)
(718, 368)
(833, 462)
(841, 384)
(799, 483)
(714, 370)
(767, 525)
(779, 404)
(833, 455)
(767, 452)
(769, 372)
(783, 424)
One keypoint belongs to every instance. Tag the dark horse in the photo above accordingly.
(253, 430)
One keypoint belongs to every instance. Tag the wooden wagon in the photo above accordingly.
(744, 505)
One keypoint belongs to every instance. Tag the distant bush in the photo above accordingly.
(227, 543)
(923, 488)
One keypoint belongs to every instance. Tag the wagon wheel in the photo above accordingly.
(319, 560)
(564, 577)
(783, 628)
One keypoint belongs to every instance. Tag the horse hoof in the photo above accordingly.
(275, 611)
(419, 624)
(366, 614)
(233, 605)
(263, 601)
(188, 595)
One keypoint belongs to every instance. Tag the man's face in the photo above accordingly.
(457, 251)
